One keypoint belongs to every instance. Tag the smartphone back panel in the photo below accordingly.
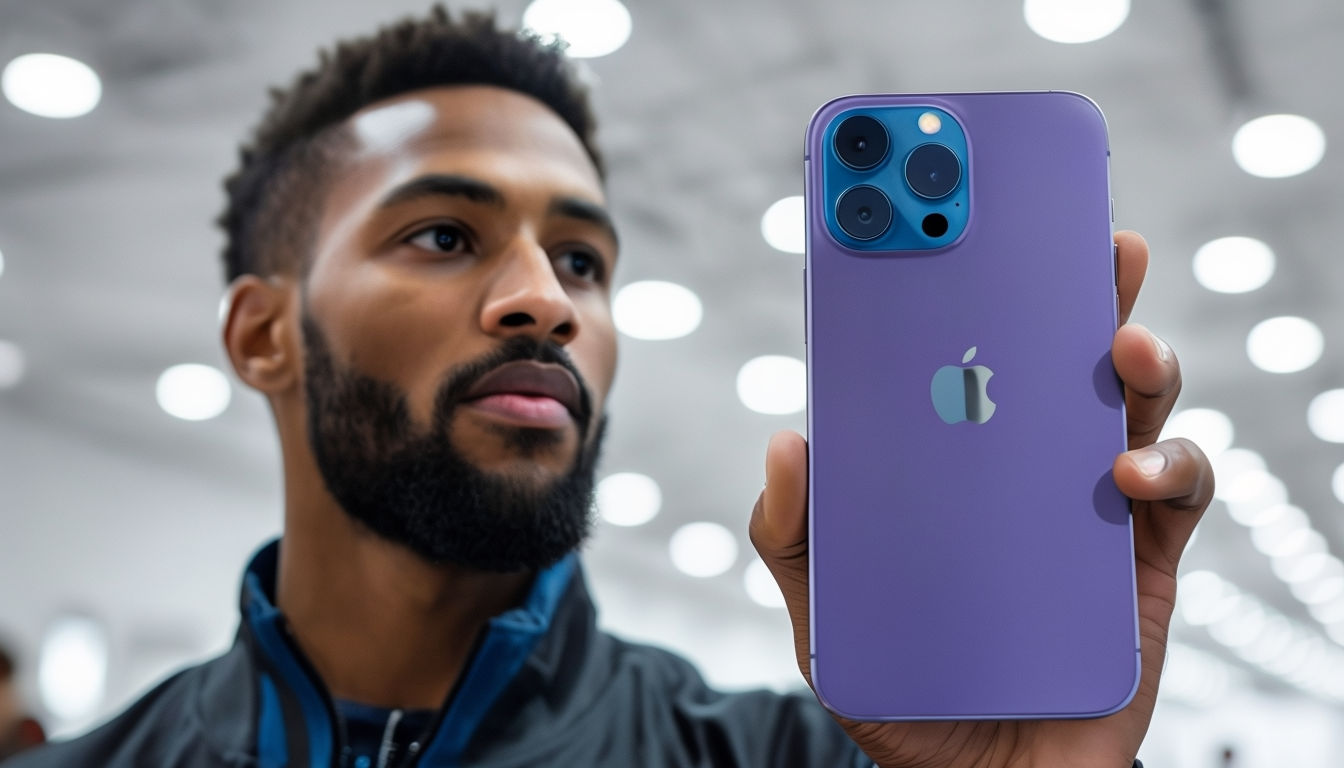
(971, 557)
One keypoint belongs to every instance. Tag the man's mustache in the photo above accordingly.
(516, 349)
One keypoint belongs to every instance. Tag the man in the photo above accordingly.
(420, 262)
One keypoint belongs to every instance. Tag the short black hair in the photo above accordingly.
(274, 194)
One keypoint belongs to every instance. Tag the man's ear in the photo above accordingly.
(259, 333)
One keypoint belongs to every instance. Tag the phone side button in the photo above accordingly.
(1115, 275)
(804, 306)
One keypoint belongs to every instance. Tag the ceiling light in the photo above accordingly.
(1256, 489)
(48, 85)
(1275, 146)
(1284, 344)
(761, 585)
(1310, 562)
(2, 263)
(1326, 679)
(1304, 655)
(1263, 502)
(1075, 21)
(1201, 586)
(1253, 516)
(1204, 597)
(1234, 461)
(654, 310)
(1298, 656)
(1329, 612)
(1292, 545)
(1261, 635)
(1336, 633)
(628, 498)
(12, 364)
(1241, 625)
(1337, 483)
(592, 28)
(1319, 590)
(1314, 652)
(782, 225)
(1274, 539)
(1288, 659)
(703, 549)
(1209, 429)
(773, 384)
(1304, 661)
(193, 392)
(1274, 638)
(1325, 416)
(72, 667)
(1234, 264)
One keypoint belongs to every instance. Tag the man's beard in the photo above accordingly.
(413, 488)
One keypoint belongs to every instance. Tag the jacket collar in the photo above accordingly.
(294, 722)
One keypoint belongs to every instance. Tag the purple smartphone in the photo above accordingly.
(971, 557)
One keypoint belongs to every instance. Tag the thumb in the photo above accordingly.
(778, 530)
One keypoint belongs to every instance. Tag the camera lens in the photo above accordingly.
(863, 212)
(861, 142)
(932, 171)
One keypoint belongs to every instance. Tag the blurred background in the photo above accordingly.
(137, 475)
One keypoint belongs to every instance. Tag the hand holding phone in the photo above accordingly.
(1167, 505)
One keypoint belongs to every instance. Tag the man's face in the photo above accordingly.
(458, 338)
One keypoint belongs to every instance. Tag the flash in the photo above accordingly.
(930, 123)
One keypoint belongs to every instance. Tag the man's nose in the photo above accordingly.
(525, 297)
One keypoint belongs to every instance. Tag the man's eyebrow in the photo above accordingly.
(583, 210)
(444, 185)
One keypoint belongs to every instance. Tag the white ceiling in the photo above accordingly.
(110, 506)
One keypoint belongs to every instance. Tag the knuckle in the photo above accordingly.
(1194, 474)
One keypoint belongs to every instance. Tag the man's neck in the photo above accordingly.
(380, 625)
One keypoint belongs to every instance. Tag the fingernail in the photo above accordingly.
(1163, 351)
(1150, 461)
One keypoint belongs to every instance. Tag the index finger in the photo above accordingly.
(1131, 264)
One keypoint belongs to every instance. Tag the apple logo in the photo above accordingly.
(959, 392)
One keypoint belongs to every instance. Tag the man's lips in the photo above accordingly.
(525, 410)
(530, 393)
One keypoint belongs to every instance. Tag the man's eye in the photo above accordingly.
(444, 238)
(582, 264)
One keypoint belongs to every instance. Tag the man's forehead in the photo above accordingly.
(483, 135)
(465, 118)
